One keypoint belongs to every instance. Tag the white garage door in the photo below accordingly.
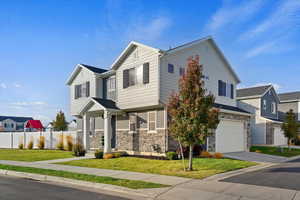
(230, 136)
(279, 138)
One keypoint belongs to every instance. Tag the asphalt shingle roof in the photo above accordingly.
(106, 103)
(16, 119)
(253, 91)
(94, 69)
(289, 96)
(227, 107)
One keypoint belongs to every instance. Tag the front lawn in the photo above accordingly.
(33, 155)
(203, 167)
(275, 151)
(133, 184)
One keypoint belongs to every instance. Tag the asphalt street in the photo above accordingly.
(285, 175)
(12, 188)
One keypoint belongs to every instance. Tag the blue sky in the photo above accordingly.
(42, 41)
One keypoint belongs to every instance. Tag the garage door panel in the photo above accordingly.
(279, 138)
(230, 136)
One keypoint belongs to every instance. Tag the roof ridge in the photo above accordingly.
(255, 87)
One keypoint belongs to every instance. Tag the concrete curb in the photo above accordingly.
(54, 179)
(293, 158)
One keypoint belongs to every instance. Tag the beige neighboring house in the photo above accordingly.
(262, 102)
(124, 107)
(11, 123)
(289, 100)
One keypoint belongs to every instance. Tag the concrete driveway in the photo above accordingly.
(256, 157)
(284, 176)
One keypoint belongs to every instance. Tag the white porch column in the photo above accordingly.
(86, 130)
(107, 132)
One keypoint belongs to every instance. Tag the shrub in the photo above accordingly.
(172, 155)
(108, 156)
(117, 155)
(60, 144)
(99, 154)
(257, 151)
(205, 154)
(218, 155)
(41, 142)
(79, 150)
(69, 146)
(30, 144)
(21, 145)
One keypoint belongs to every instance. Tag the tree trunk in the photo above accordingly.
(191, 158)
(289, 140)
(182, 155)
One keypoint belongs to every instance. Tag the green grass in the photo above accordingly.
(33, 155)
(133, 184)
(203, 167)
(276, 151)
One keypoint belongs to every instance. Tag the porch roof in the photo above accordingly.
(107, 103)
(95, 104)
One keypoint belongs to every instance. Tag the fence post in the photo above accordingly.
(51, 139)
(11, 140)
(24, 139)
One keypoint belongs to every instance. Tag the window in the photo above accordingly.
(225, 89)
(265, 104)
(137, 75)
(82, 90)
(273, 108)
(142, 120)
(111, 88)
(151, 121)
(181, 71)
(170, 68)
(5, 125)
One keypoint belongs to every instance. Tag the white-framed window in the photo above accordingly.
(82, 90)
(136, 75)
(225, 89)
(132, 76)
(111, 88)
(265, 104)
(273, 107)
(151, 120)
(132, 122)
(171, 68)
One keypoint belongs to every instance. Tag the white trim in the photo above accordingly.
(99, 129)
(155, 114)
(235, 112)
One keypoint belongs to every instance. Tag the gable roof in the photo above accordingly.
(37, 124)
(211, 40)
(92, 69)
(16, 119)
(252, 92)
(289, 96)
(107, 103)
(127, 50)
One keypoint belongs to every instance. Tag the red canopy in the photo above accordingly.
(37, 124)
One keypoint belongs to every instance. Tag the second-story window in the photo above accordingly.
(82, 90)
(136, 75)
(273, 107)
(181, 71)
(111, 88)
(265, 104)
(170, 68)
(225, 89)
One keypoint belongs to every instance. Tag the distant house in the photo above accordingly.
(72, 126)
(34, 125)
(10, 123)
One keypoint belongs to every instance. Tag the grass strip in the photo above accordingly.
(276, 151)
(133, 184)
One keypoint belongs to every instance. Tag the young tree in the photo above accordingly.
(192, 116)
(290, 126)
(60, 123)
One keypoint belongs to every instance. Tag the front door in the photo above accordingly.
(113, 131)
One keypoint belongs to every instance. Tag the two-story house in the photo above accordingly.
(124, 107)
(10, 123)
(288, 101)
(262, 101)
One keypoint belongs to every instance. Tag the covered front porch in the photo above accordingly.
(106, 111)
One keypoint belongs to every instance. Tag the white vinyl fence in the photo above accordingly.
(13, 139)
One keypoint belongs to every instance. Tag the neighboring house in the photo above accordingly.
(72, 126)
(34, 125)
(9, 123)
(124, 108)
(263, 102)
(290, 100)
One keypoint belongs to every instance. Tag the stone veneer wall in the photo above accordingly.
(212, 139)
(142, 141)
(96, 140)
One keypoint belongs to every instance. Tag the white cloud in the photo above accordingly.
(26, 104)
(282, 20)
(148, 30)
(17, 85)
(3, 85)
(230, 14)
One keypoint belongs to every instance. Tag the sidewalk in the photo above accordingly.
(181, 188)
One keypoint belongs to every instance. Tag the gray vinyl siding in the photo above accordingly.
(213, 67)
(142, 95)
(83, 76)
(99, 123)
(122, 122)
(269, 98)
